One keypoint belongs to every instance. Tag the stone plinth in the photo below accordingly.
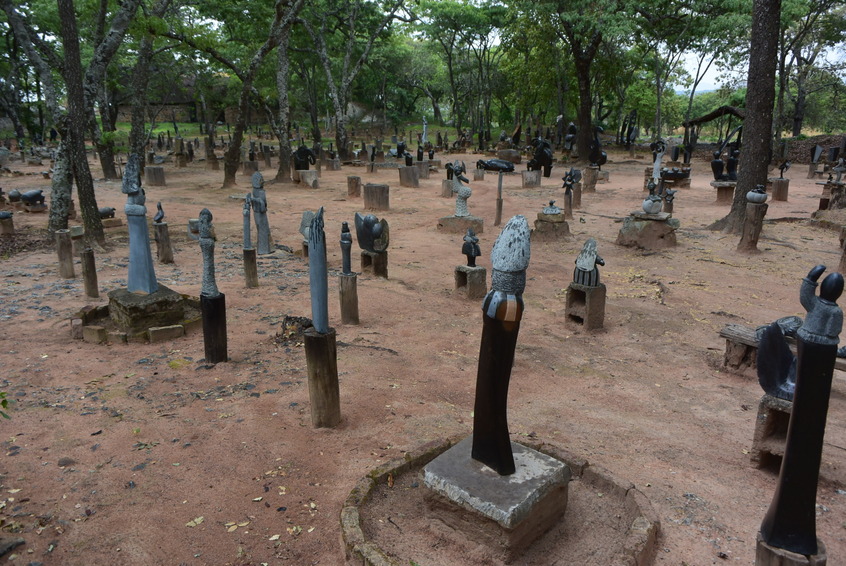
(353, 186)
(590, 174)
(766, 555)
(770, 434)
(377, 196)
(473, 281)
(422, 169)
(134, 313)
(409, 176)
(375, 263)
(309, 178)
(460, 224)
(112, 222)
(511, 155)
(478, 174)
(446, 188)
(779, 188)
(725, 191)
(551, 227)
(7, 227)
(586, 305)
(648, 231)
(504, 513)
(531, 179)
(154, 176)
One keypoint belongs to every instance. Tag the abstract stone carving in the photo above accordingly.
(587, 272)
(160, 214)
(207, 238)
(259, 203)
(494, 165)
(372, 233)
(317, 274)
(346, 249)
(542, 158)
(462, 192)
(470, 248)
(248, 243)
(142, 276)
(303, 158)
(502, 311)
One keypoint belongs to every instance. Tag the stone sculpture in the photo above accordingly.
(462, 192)
(142, 276)
(587, 272)
(790, 522)
(570, 137)
(839, 169)
(303, 158)
(207, 242)
(35, 196)
(551, 208)
(542, 158)
(502, 311)
(718, 166)
(346, 249)
(372, 233)
(106, 212)
(14, 195)
(305, 224)
(494, 165)
(317, 273)
(731, 165)
(782, 168)
(259, 204)
(248, 243)
(597, 157)
(160, 214)
(470, 248)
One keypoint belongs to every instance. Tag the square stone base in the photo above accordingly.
(586, 305)
(375, 263)
(504, 513)
(472, 280)
(460, 224)
(134, 313)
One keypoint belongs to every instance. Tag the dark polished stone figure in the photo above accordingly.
(494, 165)
(470, 247)
(596, 156)
(542, 158)
(303, 158)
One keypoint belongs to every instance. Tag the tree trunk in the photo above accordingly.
(799, 106)
(283, 63)
(106, 147)
(585, 134)
(61, 191)
(757, 126)
(232, 157)
(77, 119)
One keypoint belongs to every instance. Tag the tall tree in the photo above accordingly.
(760, 96)
(81, 84)
(357, 25)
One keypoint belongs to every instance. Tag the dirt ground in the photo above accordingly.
(144, 454)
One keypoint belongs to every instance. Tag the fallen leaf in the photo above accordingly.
(257, 498)
(243, 523)
(195, 522)
(232, 528)
(295, 530)
(310, 529)
(274, 537)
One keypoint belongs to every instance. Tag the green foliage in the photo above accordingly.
(4, 405)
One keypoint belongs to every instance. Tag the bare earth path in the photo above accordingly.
(142, 454)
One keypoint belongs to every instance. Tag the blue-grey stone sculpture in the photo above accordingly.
(160, 214)
(207, 238)
(318, 274)
(502, 311)
(372, 234)
(142, 276)
(248, 203)
(790, 521)
(259, 203)
(305, 224)
(542, 158)
(5, 214)
(587, 272)
(470, 247)
(106, 212)
(346, 249)
(35, 196)
(570, 137)
(462, 192)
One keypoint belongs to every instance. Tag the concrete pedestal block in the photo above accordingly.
(648, 231)
(473, 281)
(590, 174)
(586, 305)
(460, 224)
(531, 179)
(478, 174)
(353, 186)
(377, 196)
(780, 188)
(770, 434)
(504, 513)
(422, 169)
(551, 227)
(154, 176)
(446, 188)
(766, 555)
(375, 263)
(409, 176)
(725, 191)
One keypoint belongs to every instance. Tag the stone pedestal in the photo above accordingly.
(375, 263)
(7, 226)
(154, 176)
(770, 434)
(589, 178)
(511, 155)
(472, 281)
(531, 179)
(134, 313)
(460, 224)
(648, 231)
(353, 186)
(446, 188)
(586, 305)
(766, 555)
(478, 174)
(577, 195)
(409, 176)
(603, 177)
(309, 178)
(551, 227)
(422, 169)
(780, 189)
(377, 196)
(506, 514)
(725, 191)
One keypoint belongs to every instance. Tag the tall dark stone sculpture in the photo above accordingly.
(142, 275)
(303, 158)
(502, 311)
(212, 301)
(542, 158)
(790, 522)
(596, 156)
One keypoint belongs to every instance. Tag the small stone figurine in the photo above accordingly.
(346, 249)
(207, 238)
(248, 243)
(160, 214)
(462, 192)
(586, 272)
(470, 248)
(259, 203)
(372, 233)
(551, 208)
(782, 168)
